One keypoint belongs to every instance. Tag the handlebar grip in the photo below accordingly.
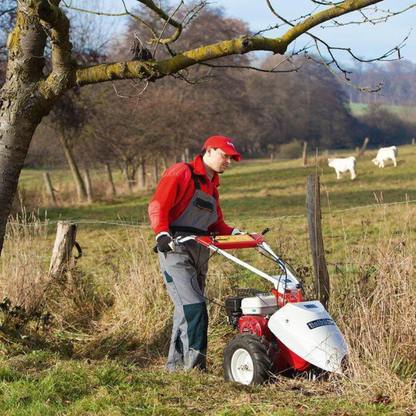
(171, 245)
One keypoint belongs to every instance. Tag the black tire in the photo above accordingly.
(257, 372)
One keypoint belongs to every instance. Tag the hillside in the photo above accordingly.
(406, 113)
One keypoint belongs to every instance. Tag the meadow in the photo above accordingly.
(406, 113)
(94, 341)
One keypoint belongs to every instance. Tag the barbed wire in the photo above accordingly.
(412, 201)
(135, 224)
(120, 223)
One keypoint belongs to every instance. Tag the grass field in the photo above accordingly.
(101, 350)
(404, 112)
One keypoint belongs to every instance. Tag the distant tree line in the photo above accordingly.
(398, 80)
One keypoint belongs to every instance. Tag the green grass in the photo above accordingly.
(42, 383)
(46, 379)
(262, 189)
(404, 112)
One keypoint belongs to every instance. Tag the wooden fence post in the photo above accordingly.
(49, 187)
(413, 141)
(313, 206)
(88, 186)
(362, 150)
(271, 157)
(110, 178)
(304, 157)
(186, 155)
(62, 250)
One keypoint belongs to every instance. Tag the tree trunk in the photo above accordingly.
(126, 177)
(14, 144)
(110, 178)
(142, 173)
(79, 183)
(49, 187)
(22, 105)
(88, 185)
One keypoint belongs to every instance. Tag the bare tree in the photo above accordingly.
(68, 119)
(28, 94)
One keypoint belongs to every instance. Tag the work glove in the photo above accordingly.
(236, 231)
(163, 242)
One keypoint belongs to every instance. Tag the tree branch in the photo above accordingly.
(152, 70)
(168, 19)
(388, 14)
(55, 21)
(3, 12)
(329, 48)
(321, 17)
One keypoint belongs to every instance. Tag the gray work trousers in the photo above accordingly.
(184, 272)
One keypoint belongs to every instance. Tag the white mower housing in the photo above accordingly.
(307, 329)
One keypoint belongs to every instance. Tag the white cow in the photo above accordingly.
(384, 154)
(342, 165)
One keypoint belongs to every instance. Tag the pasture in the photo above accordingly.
(97, 338)
(402, 111)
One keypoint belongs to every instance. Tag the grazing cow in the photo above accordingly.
(342, 165)
(384, 154)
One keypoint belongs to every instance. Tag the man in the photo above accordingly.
(186, 202)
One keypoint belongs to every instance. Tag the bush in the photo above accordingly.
(291, 150)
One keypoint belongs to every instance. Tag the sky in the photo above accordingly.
(367, 41)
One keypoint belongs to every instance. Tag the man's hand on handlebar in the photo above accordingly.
(164, 243)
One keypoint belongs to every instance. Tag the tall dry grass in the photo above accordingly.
(66, 196)
(117, 305)
(374, 303)
(23, 277)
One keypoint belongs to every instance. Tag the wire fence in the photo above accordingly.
(135, 224)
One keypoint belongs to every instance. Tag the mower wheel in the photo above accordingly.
(247, 361)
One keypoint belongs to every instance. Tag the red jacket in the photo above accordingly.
(175, 191)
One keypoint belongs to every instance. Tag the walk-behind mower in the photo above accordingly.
(279, 332)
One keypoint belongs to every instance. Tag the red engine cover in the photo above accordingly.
(255, 324)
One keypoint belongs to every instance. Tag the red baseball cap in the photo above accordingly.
(223, 143)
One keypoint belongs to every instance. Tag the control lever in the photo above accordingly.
(265, 231)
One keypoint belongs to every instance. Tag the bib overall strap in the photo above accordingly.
(196, 179)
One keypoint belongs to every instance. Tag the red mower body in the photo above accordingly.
(284, 357)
